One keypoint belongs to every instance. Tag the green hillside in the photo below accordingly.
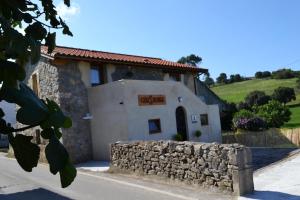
(236, 92)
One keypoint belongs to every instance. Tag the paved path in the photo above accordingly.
(280, 181)
(15, 184)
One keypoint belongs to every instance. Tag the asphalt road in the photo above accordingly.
(16, 184)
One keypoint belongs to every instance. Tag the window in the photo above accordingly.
(97, 75)
(154, 126)
(174, 76)
(35, 84)
(204, 119)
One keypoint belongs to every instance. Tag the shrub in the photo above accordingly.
(274, 113)
(284, 94)
(198, 133)
(257, 98)
(243, 106)
(178, 137)
(243, 114)
(251, 124)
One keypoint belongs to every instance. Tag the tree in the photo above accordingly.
(284, 94)
(208, 80)
(258, 74)
(274, 113)
(257, 98)
(283, 74)
(266, 74)
(191, 60)
(17, 50)
(222, 79)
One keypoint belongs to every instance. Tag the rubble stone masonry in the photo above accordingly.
(224, 166)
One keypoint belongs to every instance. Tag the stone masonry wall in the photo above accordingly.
(73, 99)
(63, 84)
(224, 166)
(137, 73)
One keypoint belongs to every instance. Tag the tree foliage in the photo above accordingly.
(222, 78)
(16, 50)
(284, 94)
(257, 98)
(274, 113)
(191, 60)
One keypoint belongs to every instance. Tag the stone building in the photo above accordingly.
(112, 97)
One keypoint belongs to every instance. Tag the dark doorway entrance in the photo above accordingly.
(181, 122)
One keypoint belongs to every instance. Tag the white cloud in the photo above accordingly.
(66, 12)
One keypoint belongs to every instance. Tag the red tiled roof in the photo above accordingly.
(101, 56)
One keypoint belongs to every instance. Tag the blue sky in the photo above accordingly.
(232, 36)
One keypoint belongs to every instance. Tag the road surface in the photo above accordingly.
(280, 181)
(16, 184)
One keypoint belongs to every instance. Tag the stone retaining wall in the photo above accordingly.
(224, 166)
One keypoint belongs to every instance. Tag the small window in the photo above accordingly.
(154, 126)
(35, 84)
(96, 76)
(204, 119)
(174, 76)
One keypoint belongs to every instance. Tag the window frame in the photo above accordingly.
(158, 125)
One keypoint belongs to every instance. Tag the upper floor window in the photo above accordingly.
(96, 75)
(174, 76)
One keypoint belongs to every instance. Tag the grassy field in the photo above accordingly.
(236, 92)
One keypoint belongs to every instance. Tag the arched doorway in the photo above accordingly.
(181, 122)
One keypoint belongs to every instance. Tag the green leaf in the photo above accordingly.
(67, 123)
(36, 31)
(57, 133)
(47, 133)
(10, 72)
(50, 41)
(56, 155)
(67, 3)
(56, 117)
(67, 175)
(26, 152)
(32, 111)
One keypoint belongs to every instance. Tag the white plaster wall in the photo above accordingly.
(109, 118)
(113, 121)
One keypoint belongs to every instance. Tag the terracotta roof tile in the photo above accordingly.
(85, 54)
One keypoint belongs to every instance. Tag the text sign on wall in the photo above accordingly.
(148, 100)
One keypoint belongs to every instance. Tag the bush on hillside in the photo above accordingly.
(257, 98)
(243, 105)
(274, 113)
(251, 124)
(247, 120)
(284, 94)
(284, 74)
